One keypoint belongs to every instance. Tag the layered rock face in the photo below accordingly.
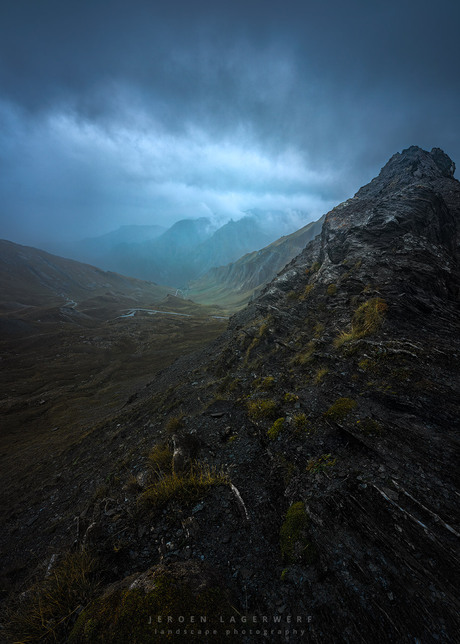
(331, 405)
(363, 327)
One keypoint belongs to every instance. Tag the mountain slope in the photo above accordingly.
(32, 277)
(234, 284)
(331, 402)
(186, 250)
(108, 243)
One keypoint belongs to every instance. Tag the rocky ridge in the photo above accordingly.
(328, 414)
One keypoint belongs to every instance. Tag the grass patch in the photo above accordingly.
(331, 289)
(175, 423)
(301, 424)
(307, 291)
(181, 591)
(264, 384)
(318, 330)
(367, 319)
(290, 397)
(49, 608)
(160, 460)
(314, 268)
(369, 426)
(183, 486)
(263, 329)
(340, 409)
(275, 429)
(259, 409)
(304, 357)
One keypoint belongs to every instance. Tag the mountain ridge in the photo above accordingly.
(327, 413)
(186, 250)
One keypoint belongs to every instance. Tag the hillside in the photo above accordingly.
(234, 284)
(296, 479)
(33, 277)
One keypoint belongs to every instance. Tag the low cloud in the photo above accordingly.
(97, 177)
(169, 110)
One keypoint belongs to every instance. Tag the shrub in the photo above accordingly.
(258, 409)
(367, 319)
(275, 429)
(340, 409)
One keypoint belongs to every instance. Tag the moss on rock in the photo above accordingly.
(294, 544)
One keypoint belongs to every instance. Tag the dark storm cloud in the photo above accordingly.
(118, 112)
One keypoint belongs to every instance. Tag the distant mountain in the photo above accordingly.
(102, 249)
(230, 242)
(33, 277)
(122, 235)
(186, 250)
(234, 284)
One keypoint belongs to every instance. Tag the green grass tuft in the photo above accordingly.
(340, 409)
(275, 429)
(259, 409)
(183, 486)
(160, 460)
(175, 423)
(367, 319)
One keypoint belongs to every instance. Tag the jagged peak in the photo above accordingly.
(417, 161)
(412, 165)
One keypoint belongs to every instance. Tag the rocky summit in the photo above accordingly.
(296, 480)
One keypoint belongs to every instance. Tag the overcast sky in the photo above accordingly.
(145, 112)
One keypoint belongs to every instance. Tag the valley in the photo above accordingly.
(68, 365)
(298, 458)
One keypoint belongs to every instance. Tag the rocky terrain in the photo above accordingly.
(296, 479)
